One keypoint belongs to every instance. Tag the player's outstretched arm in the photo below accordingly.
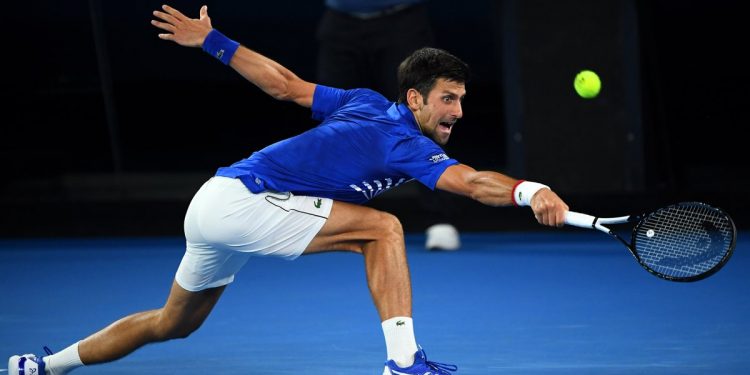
(268, 75)
(497, 189)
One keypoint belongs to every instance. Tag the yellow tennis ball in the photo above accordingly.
(587, 84)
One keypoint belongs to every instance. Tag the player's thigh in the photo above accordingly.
(349, 226)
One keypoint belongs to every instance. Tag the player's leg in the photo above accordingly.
(182, 314)
(379, 237)
(200, 280)
(204, 271)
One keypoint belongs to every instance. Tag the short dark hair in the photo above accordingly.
(423, 67)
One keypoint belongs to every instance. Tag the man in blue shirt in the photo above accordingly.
(302, 196)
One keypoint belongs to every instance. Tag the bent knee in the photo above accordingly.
(175, 332)
(390, 224)
(389, 228)
(170, 329)
(380, 227)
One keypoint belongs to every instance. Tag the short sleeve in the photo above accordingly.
(421, 159)
(327, 100)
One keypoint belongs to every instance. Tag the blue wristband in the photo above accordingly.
(219, 46)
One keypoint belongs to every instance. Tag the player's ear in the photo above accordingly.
(414, 99)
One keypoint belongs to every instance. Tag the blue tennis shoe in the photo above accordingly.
(27, 364)
(421, 366)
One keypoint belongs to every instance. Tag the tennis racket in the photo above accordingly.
(687, 241)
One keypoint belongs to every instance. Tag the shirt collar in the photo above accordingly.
(401, 110)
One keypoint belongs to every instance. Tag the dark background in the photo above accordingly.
(108, 130)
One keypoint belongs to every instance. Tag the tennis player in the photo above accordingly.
(303, 195)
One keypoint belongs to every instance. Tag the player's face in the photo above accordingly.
(437, 116)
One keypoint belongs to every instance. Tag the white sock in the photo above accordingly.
(399, 340)
(63, 361)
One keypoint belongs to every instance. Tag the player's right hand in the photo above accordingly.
(548, 208)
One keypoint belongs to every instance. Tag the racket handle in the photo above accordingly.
(578, 219)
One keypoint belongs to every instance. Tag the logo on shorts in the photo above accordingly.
(318, 203)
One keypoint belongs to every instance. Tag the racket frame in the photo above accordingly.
(592, 222)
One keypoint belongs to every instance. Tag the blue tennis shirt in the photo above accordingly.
(363, 146)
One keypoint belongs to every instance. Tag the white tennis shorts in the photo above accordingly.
(225, 224)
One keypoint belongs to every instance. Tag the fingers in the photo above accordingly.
(163, 26)
(166, 17)
(548, 218)
(549, 209)
(204, 12)
(174, 12)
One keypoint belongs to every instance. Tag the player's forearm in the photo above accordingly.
(491, 188)
(487, 187)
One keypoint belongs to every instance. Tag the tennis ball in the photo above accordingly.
(587, 84)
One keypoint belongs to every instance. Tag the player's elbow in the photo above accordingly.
(293, 90)
(280, 91)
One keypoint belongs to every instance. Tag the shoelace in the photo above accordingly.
(42, 365)
(441, 368)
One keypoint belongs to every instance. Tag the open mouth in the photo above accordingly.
(446, 124)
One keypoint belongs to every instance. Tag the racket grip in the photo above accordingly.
(578, 219)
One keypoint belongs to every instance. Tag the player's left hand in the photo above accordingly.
(548, 208)
(189, 32)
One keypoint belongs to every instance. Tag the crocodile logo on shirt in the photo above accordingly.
(318, 203)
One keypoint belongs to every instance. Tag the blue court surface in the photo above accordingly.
(506, 303)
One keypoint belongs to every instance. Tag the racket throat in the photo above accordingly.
(615, 236)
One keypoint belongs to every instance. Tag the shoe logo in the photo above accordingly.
(318, 203)
(399, 323)
(32, 371)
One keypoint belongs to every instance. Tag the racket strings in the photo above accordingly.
(684, 240)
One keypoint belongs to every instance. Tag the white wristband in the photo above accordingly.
(524, 191)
